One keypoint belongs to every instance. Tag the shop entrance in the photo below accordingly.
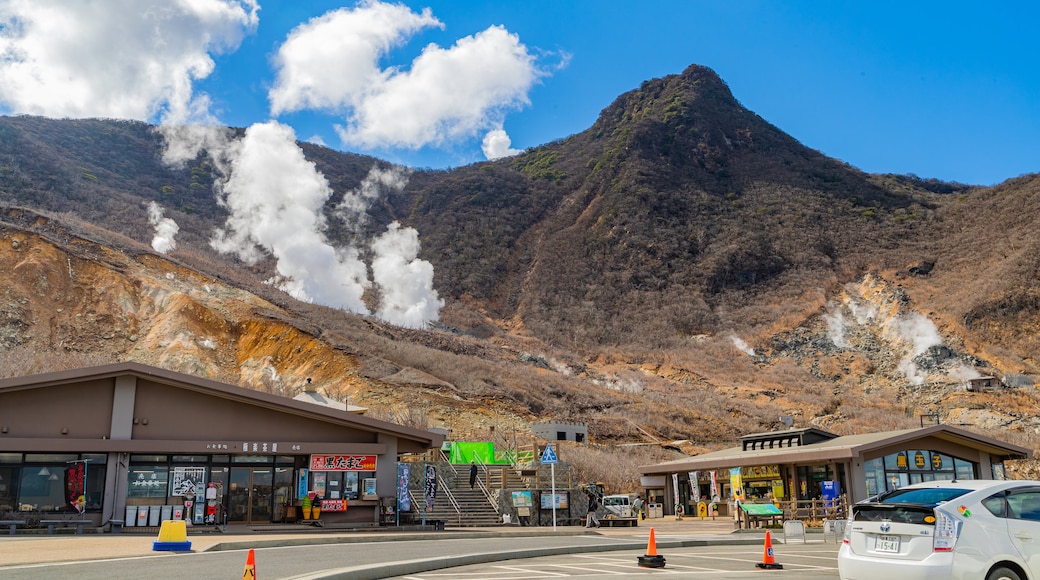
(249, 495)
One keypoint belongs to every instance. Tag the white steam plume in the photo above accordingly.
(921, 334)
(743, 346)
(353, 208)
(165, 229)
(407, 297)
(835, 320)
(275, 197)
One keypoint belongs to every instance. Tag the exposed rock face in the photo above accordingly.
(105, 302)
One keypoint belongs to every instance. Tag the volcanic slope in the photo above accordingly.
(681, 270)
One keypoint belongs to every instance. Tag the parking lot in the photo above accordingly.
(811, 560)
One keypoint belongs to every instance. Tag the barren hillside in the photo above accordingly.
(682, 271)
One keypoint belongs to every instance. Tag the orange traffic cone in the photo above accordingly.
(250, 572)
(768, 561)
(651, 559)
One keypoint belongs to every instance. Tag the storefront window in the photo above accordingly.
(42, 488)
(913, 466)
(41, 482)
(337, 484)
(965, 469)
(9, 478)
(147, 481)
(998, 470)
(251, 459)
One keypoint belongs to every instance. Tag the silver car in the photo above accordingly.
(960, 529)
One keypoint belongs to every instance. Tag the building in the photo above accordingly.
(128, 436)
(556, 431)
(803, 464)
(982, 384)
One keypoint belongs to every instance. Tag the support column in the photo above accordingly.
(124, 394)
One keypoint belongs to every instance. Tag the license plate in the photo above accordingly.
(886, 544)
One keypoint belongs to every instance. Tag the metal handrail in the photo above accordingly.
(483, 487)
(447, 492)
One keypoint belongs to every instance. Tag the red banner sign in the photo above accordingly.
(333, 505)
(343, 462)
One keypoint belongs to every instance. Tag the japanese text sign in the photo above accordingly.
(343, 462)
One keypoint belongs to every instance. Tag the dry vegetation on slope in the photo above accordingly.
(680, 271)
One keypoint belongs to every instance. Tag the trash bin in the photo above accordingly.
(178, 512)
(154, 511)
(131, 515)
(166, 513)
(142, 515)
(654, 510)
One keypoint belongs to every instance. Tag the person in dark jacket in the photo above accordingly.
(472, 474)
(590, 517)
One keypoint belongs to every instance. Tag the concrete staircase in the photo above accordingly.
(470, 508)
(459, 506)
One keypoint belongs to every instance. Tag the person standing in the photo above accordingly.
(590, 517)
(637, 507)
(472, 474)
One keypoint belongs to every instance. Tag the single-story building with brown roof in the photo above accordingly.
(804, 464)
(130, 442)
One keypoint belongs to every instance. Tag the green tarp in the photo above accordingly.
(479, 451)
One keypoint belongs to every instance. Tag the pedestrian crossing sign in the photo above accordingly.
(549, 456)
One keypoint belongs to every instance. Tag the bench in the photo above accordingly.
(619, 522)
(78, 523)
(12, 524)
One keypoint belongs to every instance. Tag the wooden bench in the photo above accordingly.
(619, 522)
(12, 524)
(78, 523)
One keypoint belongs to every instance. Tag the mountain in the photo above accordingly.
(654, 224)
(682, 270)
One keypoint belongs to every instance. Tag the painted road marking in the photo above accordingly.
(689, 562)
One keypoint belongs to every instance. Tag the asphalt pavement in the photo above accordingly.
(25, 549)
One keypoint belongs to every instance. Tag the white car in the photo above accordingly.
(949, 530)
(618, 505)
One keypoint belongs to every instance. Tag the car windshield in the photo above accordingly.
(927, 496)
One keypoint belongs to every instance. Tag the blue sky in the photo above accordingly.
(941, 89)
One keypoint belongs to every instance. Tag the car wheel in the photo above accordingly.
(1003, 573)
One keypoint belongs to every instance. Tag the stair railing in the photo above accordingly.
(447, 493)
(492, 498)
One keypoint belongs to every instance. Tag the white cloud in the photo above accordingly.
(497, 145)
(132, 59)
(332, 63)
(332, 60)
(165, 229)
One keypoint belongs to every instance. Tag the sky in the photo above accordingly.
(949, 90)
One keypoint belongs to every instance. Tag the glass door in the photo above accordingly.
(249, 495)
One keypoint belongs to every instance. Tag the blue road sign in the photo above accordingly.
(549, 456)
